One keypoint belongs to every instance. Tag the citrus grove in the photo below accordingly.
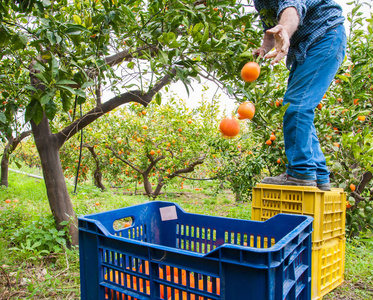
(60, 60)
(145, 149)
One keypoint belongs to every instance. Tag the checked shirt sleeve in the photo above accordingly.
(299, 5)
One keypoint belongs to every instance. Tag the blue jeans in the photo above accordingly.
(307, 84)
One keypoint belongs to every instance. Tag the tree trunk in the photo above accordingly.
(97, 175)
(9, 149)
(5, 166)
(59, 200)
(97, 178)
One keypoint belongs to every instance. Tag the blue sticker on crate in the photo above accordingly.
(169, 254)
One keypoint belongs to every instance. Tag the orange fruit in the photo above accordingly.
(250, 71)
(348, 205)
(269, 142)
(356, 101)
(361, 118)
(145, 127)
(97, 203)
(189, 121)
(278, 161)
(246, 110)
(229, 127)
(180, 130)
(143, 112)
(272, 137)
(319, 106)
(8, 201)
(152, 152)
(352, 187)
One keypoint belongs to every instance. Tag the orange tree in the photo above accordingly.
(12, 104)
(67, 50)
(149, 147)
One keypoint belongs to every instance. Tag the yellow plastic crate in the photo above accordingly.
(328, 208)
(328, 263)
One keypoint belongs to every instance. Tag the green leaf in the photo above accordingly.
(127, 11)
(131, 65)
(50, 110)
(205, 36)
(51, 37)
(76, 30)
(66, 81)
(77, 19)
(30, 88)
(2, 117)
(31, 109)
(87, 84)
(39, 113)
(55, 66)
(163, 57)
(80, 93)
(158, 98)
(66, 88)
(66, 101)
(46, 98)
(41, 77)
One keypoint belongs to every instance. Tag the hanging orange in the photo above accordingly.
(250, 71)
(229, 127)
(246, 110)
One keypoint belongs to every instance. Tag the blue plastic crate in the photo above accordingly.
(169, 254)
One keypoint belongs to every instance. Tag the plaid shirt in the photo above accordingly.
(316, 18)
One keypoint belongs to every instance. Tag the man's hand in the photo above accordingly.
(267, 45)
(282, 43)
(261, 52)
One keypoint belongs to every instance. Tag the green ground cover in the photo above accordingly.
(34, 264)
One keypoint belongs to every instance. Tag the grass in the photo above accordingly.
(50, 271)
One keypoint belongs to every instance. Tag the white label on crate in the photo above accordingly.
(168, 213)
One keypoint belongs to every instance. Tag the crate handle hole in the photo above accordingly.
(123, 223)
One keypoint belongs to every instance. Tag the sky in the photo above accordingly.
(225, 102)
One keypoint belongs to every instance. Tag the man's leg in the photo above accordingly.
(307, 84)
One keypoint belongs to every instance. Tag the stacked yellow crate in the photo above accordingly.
(328, 208)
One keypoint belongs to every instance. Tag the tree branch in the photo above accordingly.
(127, 55)
(94, 114)
(367, 177)
(19, 138)
(153, 162)
(190, 168)
(125, 160)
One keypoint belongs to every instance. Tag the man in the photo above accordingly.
(312, 36)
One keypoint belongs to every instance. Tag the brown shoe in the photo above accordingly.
(286, 179)
(324, 186)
